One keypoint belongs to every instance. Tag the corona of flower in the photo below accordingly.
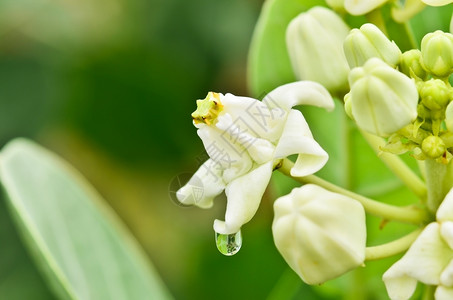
(245, 139)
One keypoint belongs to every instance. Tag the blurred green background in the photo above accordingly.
(109, 85)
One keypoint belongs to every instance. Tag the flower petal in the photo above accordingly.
(299, 93)
(424, 261)
(297, 139)
(445, 211)
(243, 198)
(446, 231)
(222, 149)
(203, 187)
(446, 278)
(443, 293)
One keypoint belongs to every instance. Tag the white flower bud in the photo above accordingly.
(361, 7)
(437, 2)
(383, 100)
(367, 42)
(437, 53)
(320, 234)
(315, 40)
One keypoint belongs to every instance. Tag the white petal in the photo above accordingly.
(424, 261)
(320, 234)
(299, 93)
(297, 139)
(233, 158)
(443, 293)
(361, 7)
(446, 230)
(252, 115)
(445, 211)
(203, 187)
(437, 2)
(243, 198)
(446, 278)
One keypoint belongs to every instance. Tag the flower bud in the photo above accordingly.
(314, 40)
(320, 234)
(410, 64)
(437, 2)
(435, 94)
(361, 7)
(437, 53)
(336, 4)
(433, 146)
(367, 42)
(383, 100)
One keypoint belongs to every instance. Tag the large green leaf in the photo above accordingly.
(77, 241)
(269, 64)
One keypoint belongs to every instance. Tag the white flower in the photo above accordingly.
(320, 234)
(244, 139)
(428, 260)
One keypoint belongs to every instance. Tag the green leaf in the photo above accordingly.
(76, 240)
(268, 63)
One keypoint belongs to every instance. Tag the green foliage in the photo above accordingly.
(77, 242)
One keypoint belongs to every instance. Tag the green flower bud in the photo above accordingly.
(367, 42)
(433, 146)
(314, 40)
(336, 4)
(435, 94)
(348, 105)
(410, 64)
(437, 53)
(383, 100)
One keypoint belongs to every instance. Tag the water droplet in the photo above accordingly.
(228, 244)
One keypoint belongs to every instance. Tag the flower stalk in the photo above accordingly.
(408, 214)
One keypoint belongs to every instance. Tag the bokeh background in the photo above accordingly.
(109, 85)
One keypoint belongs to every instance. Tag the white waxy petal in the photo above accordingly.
(445, 211)
(361, 7)
(299, 93)
(244, 196)
(446, 230)
(203, 187)
(443, 293)
(424, 261)
(221, 148)
(297, 139)
(446, 278)
(320, 234)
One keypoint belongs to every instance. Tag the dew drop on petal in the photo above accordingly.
(228, 244)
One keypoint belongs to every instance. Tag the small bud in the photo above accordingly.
(367, 42)
(383, 100)
(433, 146)
(336, 4)
(410, 64)
(348, 105)
(435, 94)
(320, 234)
(437, 53)
(314, 40)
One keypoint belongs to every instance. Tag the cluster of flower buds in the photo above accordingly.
(430, 135)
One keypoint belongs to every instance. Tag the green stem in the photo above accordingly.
(397, 166)
(392, 248)
(286, 287)
(428, 292)
(346, 151)
(438, 181)
(408, 214)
